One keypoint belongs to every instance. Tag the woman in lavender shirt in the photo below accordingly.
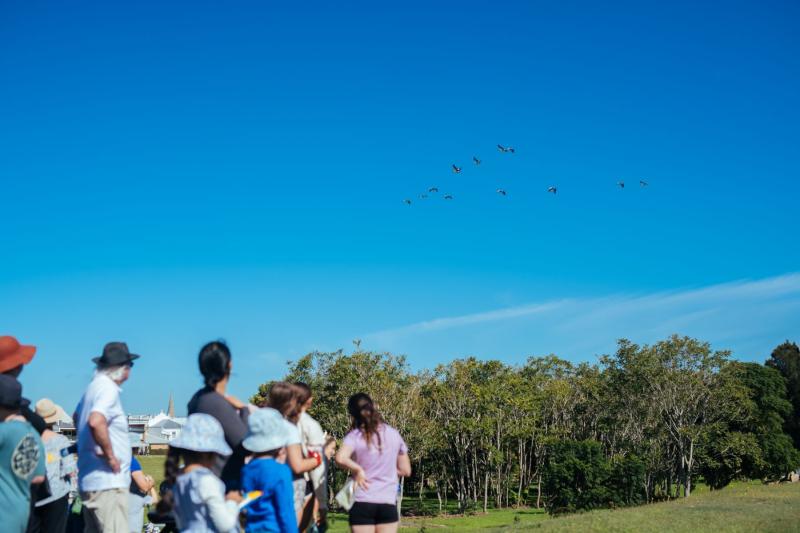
(375, 454)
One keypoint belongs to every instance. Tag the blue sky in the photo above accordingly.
(174, 173)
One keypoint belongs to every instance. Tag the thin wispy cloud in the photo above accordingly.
(735, 313)
(438, 324)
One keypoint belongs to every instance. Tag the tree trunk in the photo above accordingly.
(421, 480)
(485, 491)
(400, 497)
(669, 485)
(521, 452)
(687, 491)
(539, 492)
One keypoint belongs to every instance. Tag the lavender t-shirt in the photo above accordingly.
(379, 463)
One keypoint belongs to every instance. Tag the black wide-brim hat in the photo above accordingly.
(114, 354)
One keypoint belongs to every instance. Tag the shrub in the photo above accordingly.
(578, 476)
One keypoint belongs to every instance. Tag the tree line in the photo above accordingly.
(640, 425)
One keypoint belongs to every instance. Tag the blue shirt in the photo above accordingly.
(274, 510)
(136, 467)
(21, 459)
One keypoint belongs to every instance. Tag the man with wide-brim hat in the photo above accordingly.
(13, 358)
(104, 450)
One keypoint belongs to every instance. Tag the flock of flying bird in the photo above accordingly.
(502, 192)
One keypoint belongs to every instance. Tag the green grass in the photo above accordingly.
(741, 507)
(498, 520)
(744, 507)
(154, 466)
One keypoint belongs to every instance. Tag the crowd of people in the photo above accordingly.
(234, 466)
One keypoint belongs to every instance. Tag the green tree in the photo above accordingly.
(768, 416)
(579, 476)
(786, 359)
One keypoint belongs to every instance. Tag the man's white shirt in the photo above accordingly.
(94, 474)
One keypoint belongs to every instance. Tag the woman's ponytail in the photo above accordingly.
(365, 417)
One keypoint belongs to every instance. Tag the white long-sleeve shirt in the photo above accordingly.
(200, 505)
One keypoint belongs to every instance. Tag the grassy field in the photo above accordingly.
(740, 507)
(154, 466)
(745, 507)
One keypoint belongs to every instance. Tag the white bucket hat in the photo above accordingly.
(202, 433)
(266, 430)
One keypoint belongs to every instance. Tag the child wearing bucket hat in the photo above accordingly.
(197, 499)
(273, 510)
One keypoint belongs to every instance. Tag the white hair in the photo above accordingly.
(116, 372)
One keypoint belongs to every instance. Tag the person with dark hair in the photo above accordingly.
(375, 454)
(22, 458)
(215, 366)
(197, 496)
(283, 397)
(313, 440)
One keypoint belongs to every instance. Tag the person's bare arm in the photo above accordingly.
(235, 402)
(99, 428)
(344, 459)
(144, 482)
(37, 480)
(403, 465)
(296, 461)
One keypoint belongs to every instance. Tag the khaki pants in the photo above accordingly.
(106, 511)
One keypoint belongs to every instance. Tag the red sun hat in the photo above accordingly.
(13, 354)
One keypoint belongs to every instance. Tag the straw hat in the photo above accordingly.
(51, 412)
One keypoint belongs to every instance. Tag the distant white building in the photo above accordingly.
(145, 432)
(154, 432)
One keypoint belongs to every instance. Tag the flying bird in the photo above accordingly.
(407, 201)
(643, 183)
(505, 149)
(476, 160)
(423, 196)
(448, 196)
(621, 184)
(501, 191)
(456, 169)
(552, 189)
(433, 189)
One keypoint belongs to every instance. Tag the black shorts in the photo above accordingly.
(370, 514)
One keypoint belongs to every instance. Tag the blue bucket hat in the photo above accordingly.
(266, 430)
(202, 433)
